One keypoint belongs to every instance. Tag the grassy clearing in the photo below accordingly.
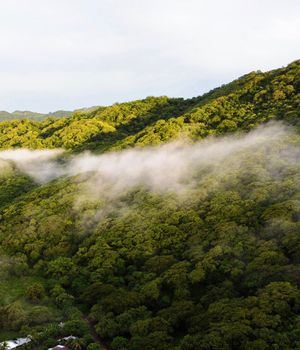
(14, 289)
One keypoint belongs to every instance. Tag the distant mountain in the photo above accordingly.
(32, 115)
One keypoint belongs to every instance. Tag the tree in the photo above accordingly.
(62, 269)
(94, 346)
(35, 292)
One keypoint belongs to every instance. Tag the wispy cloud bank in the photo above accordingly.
(41, 165)
(169, 167)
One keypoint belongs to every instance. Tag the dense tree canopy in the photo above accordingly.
(243, 104)
(215, 268)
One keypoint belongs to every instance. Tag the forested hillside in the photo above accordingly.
(17, 115)
(192, 245)
(243, 104)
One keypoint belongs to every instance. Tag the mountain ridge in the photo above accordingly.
(257, 96)
(110, 226)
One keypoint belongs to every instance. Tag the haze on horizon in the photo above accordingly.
(64, 54)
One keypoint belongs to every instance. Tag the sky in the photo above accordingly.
(68, 54)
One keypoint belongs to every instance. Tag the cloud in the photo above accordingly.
(171, 167)
(181, 169)
(69, 54)
(41, 165)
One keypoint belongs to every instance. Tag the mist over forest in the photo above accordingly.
(163, 223)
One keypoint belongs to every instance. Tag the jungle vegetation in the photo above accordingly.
(216, 269)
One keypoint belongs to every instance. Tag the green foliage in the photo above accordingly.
(241, 105)
(218, 268)
(76, 328)
(31, 115)
(75, 344)
(12, 184)
(13, 317)
(35, 292)
(94, 346)
(39, 315)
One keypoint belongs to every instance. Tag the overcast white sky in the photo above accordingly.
(66, 54)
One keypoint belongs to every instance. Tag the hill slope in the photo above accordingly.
(243, 104)
(191, 245)
(17, 115)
